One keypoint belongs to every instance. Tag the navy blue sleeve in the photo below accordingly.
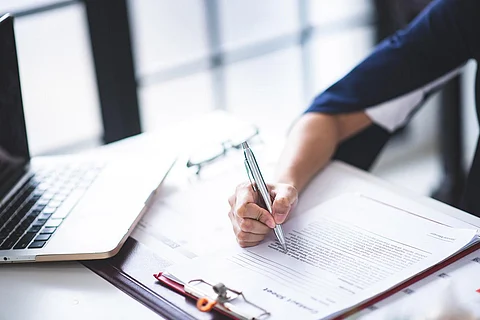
(442, 38)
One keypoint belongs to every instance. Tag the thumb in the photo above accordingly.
(285, 197)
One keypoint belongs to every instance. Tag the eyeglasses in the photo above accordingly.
(208, 153)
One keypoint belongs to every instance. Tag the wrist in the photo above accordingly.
(290, 180)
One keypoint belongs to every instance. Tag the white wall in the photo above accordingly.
(57, 78)
(61, 99)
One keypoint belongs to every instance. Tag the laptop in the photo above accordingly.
(63, 207)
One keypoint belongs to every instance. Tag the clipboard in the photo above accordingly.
(199, 294)
(218, 297)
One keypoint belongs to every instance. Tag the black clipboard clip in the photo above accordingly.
(225, 300)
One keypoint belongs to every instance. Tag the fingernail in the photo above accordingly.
(280, 217)
(270, 223)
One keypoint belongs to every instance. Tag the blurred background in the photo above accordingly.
(89, 67)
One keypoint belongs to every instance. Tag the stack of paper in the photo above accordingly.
(341, 254)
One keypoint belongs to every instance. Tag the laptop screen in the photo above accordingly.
(14, 152)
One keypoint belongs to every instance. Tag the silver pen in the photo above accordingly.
(259, 185)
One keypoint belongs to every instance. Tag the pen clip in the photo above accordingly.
(250, 176)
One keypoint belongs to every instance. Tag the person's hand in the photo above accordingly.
(250, 221)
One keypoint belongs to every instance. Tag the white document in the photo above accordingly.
(455, 289)
(189, 217)
(340, 253)
(189, 222)
(338, 178)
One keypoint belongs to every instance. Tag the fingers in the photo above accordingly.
(231, 200)
(285, 196)
(244, 206)
(252, 211)
(243, 195)
(248, 232)
(250, 221)
(248, 225)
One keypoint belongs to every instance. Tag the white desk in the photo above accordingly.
(63, 291)
(70, 291)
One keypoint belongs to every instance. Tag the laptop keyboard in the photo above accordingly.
(33, 214)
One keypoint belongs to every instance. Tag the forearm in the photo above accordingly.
(311, 144)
